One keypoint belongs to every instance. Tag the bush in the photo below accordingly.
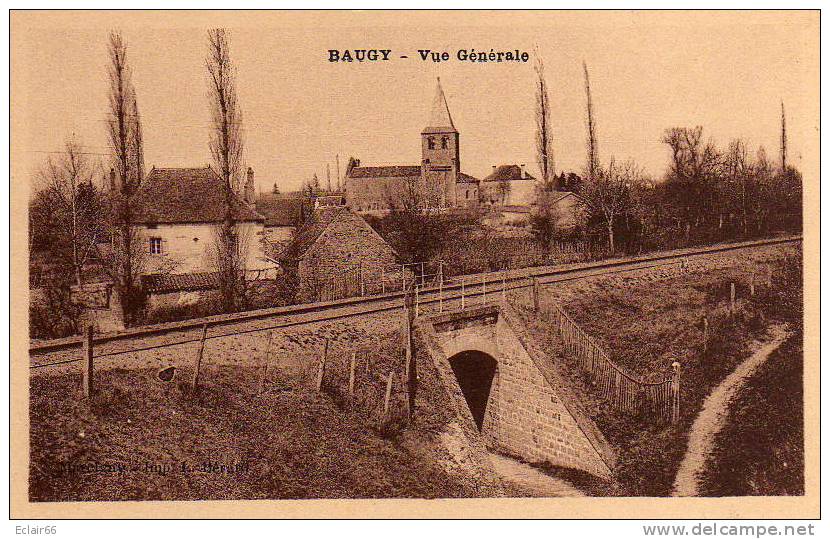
(52, 314)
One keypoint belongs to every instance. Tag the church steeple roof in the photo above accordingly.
(440, 120)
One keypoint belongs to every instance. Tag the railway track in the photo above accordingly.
(469, 286)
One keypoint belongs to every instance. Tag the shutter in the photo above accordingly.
(163, 246)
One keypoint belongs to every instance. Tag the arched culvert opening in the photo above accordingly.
(474, 371)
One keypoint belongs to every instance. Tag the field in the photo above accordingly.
(645, 325)
(143, 439)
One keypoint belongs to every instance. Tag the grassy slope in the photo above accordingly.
(645, 327)
(296, 443)
(760, 451)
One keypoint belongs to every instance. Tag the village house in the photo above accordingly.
(564, 206)
(283, 214)
(178, 212)
(337, 254)
(438, 180)
(509, 185)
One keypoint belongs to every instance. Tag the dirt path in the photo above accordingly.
(712, 416)
(530, 480)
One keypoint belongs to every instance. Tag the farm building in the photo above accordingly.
(337, 247)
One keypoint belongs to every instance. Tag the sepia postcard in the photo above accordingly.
(418, 264)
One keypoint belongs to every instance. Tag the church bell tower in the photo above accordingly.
(440, 155)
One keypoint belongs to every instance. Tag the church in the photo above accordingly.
(436, 184)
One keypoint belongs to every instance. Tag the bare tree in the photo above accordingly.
(74, 209)
(694, 168)
(226, 146)
(503, 187)
(738, 170)
(544, 143)
(608, 196)
(125, 140)
(591, 142)
(783, 139)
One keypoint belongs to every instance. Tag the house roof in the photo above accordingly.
(186, 195)
(556, 196)
(279, 210)
(507, 172)
(440, 120)
(466, 178)
(310, 232)
(393, 171)
(184, 282)
(399, 171)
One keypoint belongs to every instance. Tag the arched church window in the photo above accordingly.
(431, 143)
(444, 142)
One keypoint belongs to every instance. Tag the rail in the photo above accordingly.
(444, 290)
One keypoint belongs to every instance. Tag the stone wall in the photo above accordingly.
(374, 194)
(100, 306)
(528, 414)
(295, 350)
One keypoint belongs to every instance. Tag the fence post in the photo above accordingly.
(88, 373)
(441, 271)
(387, 396)
(199, 358)
(422, 273)
(352, 365)
(752, 284)
(462, 292)
(535, 294)
(417, 300)
(441, 294)
(675, 386)
(382, 280)
(504, 285)
(360, 276)
(321, 369)
(705, 332)
(265, 370)
(484, 288)
(732, 298)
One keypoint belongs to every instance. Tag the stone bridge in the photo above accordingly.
(508, 392)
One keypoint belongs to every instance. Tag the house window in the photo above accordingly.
(155, 246)
(444, 142)
(431, 143)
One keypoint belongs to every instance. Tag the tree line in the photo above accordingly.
(707, 193)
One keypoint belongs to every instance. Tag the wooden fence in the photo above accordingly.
(622, 390)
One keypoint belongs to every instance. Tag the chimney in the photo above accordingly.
(524, 173)
(250, 189)
(494, 169)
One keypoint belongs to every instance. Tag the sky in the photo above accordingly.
(725, 71)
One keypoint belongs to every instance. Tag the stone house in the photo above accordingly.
(564, 205)
(509, 185)
(337, 246)
(438, 180)
(178, 212)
